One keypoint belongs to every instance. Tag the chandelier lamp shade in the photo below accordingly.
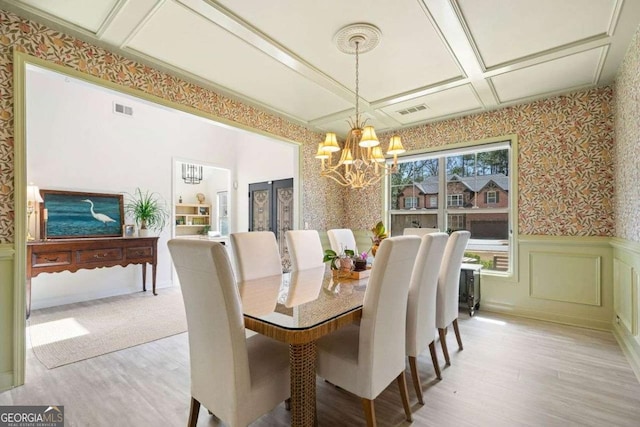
(191, 174)
(360, 162)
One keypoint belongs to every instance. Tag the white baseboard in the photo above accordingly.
(88, 296)
(629, 346)
(545, 315)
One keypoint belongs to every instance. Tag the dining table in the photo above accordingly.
(298, 308)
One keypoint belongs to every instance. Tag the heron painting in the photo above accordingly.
(99, 216)
(78, 214)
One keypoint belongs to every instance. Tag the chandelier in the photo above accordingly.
(360, 162)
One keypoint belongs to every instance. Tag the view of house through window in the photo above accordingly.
(458, 190)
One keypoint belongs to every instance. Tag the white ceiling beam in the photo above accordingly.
(224, 18)
(448, 23)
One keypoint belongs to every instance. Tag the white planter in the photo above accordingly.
(144, 233)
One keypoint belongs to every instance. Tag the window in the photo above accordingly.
(410, 202)
(223, 215)
(466, 189)
(454, 199)
(456, 222)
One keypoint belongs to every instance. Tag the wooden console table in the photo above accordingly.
(53, 256)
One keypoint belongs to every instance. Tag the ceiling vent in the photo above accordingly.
(412, 110)
(122, 109)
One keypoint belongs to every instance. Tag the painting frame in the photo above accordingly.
(78, 214)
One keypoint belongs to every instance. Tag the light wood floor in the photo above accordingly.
(512, 372)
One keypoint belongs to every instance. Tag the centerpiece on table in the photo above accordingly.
(343, 262)
(360, 262)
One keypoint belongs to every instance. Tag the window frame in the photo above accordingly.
(507, 141)
(495, 197)
(414, 200)
(459, 197)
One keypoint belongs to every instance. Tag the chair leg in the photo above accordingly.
(193, 412)
(369, 412)
(457, 331)
(416, 378)
(434, 359)
(402, 385)
(287, 404)
(443, 342)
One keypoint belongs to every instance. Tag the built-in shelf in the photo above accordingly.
(191, 218)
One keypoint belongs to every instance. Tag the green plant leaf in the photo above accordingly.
(147, 209)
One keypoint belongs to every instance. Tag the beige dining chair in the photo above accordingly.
(419, 231)
(365, 359)
(236, 379)
(305, 249)
(448, 286)
(421, 306)
(256, 254)
(342, 238)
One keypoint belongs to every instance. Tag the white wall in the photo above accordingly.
(260, 161)
(75, 142)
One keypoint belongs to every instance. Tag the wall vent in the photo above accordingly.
(412, 110)
(122, 109)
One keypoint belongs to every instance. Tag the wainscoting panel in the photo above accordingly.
(565, 279)
(626, 289)
(623, 293)
(551, 274)
(7, 343)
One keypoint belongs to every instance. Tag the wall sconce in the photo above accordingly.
(191, 174)
(33, 198)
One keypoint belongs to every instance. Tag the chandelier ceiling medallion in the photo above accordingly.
(361, 161)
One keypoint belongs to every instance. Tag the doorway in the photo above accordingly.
(117, 160)
(197, 206)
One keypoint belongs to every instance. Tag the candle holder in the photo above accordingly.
(45, 220)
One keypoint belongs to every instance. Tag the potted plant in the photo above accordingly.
(148, 210)
(379, 233)
(360, 262)
(337, 260)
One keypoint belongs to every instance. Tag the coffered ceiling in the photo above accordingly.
(436, 58)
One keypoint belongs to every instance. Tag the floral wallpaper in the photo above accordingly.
(565, 164)
(565, 171)
(627, 149)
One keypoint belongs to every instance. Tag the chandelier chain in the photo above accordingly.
(357, 84)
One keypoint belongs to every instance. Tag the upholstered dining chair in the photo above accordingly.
(421, 306)
(342, 238)
(448, 285)
(365, 359)
(305, 249)
(256, 254)
(419, 231)
(236, 379)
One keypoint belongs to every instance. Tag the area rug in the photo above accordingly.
(69, 333)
